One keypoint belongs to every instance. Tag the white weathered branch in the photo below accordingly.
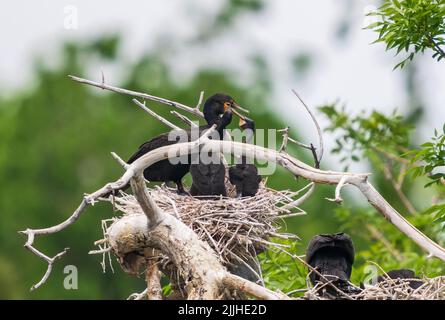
(320, 134)
(155, 115)
(338, 199)
(243, 285)
(287, 139)
(298, 202)
(201, 98)
(144, 96)
(184, 119)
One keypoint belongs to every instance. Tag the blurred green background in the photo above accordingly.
(56, 137)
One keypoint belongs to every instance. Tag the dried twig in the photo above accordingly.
(251, 288)
(320, 134)
(155, 115)
(338, 199)
(184, 119)
(144, 96)
(201, 98)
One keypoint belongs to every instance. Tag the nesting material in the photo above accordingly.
(237, 229)
(390, 289)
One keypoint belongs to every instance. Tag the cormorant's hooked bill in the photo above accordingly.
(220, 103)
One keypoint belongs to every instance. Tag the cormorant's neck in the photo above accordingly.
(223, 122)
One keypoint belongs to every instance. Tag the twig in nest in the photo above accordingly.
(245, 222)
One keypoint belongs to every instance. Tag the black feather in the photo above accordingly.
(332, 256)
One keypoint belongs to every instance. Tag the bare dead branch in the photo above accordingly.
(201, 98)
(144, 96)
(155, 115)
(153, 280)
(238, 283)
(119, 159)
(320, 134)
(301, 200)
(184, 119)
(338, 199)
(139, 296)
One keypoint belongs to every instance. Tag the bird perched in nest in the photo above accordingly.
(402, 274)
(332, 256)
(244, 176)
(209, 173)
(172, 171)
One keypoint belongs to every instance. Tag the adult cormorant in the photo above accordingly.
(332, 256)
(169, 169)
(244, 176)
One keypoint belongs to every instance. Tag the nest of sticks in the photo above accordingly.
(390, 289)
(236, 228)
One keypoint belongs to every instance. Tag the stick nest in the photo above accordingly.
(390, 289)
(236, 228)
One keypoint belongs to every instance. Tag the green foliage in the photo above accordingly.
(412, 26)
(427, 161)
(281, 271)
(362, 133)
(226, 17)
(386, 246)
(438, 212)
(302, 64)
(234, 7)
(384, 142)
(429, 157)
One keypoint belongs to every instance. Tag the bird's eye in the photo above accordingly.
(227, 106)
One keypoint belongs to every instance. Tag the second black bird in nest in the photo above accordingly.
(331, 256)
(244, 176)
(209, 173)
(402, 274)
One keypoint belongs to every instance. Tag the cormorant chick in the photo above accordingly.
(209, 174)
(244, 175)
(331, 255)
(168, 170)
(402, 274)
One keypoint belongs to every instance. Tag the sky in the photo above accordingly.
(351, 70)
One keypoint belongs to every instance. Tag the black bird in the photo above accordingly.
(331, 255)
(209, 174)
(402, 274)
(244, 176)
(168, 170)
